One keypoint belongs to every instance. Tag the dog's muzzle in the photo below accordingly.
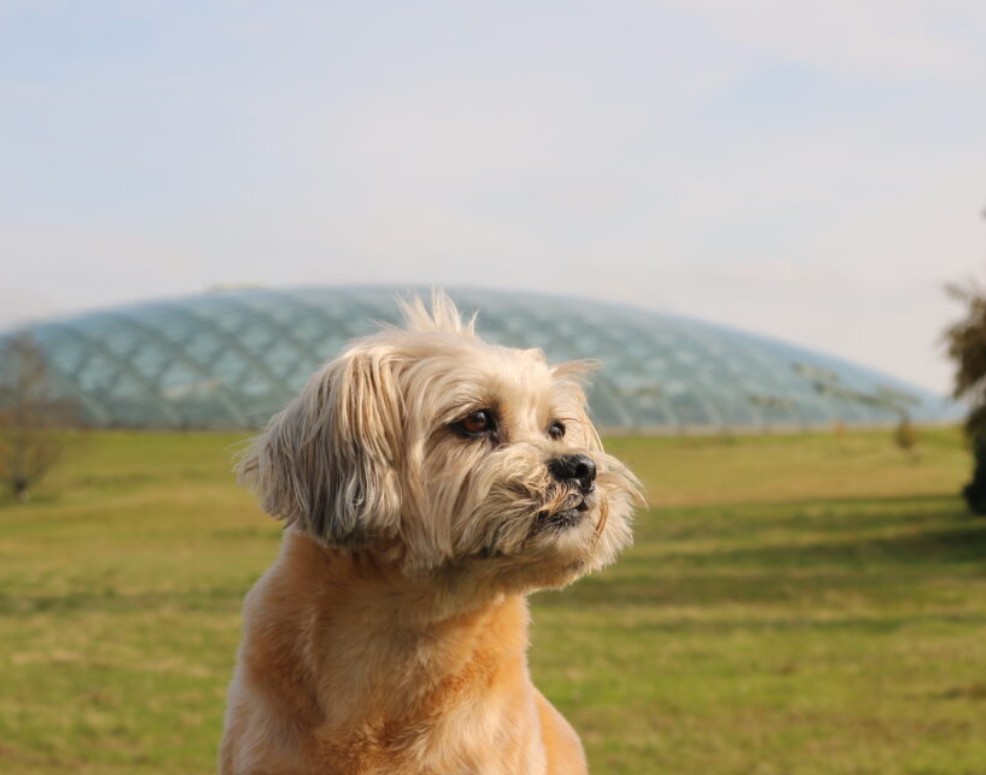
(576, 475)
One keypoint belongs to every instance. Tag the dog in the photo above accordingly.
(429, 481)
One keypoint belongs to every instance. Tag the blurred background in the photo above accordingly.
(763, 220)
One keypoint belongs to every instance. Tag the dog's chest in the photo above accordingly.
(467, 739)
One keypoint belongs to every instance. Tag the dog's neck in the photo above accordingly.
(367, 622)
(400, 601)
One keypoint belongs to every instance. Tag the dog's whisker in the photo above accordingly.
(603, 518)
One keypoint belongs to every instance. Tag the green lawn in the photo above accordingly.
(793, 605)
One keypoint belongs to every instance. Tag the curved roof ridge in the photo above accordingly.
(661, 371)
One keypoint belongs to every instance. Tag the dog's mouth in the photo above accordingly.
(574, 511)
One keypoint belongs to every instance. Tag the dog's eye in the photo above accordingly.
(476, 424)
(556, 430)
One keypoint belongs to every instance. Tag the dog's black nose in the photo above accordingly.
(579, 469)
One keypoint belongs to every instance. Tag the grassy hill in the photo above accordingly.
(793, 605)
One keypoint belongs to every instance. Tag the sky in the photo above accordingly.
(812, 170)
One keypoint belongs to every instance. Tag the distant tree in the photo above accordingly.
(905, 435)
(965, 341)
(31, 416)
(975, 491)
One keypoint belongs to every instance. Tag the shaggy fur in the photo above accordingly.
(389, 637)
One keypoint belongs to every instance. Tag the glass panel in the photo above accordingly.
(222, 359)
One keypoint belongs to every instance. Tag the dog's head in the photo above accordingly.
(435, 450)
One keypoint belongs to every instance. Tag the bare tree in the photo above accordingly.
(31, 416)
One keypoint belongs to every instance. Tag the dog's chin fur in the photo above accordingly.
(389, 637)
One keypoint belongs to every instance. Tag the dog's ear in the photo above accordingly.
(330, 462)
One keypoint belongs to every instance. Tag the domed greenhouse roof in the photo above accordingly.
(230, 359)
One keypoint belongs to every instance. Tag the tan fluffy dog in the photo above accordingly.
(429, 481)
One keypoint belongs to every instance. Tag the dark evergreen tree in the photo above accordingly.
(975, 492)
(965, 341)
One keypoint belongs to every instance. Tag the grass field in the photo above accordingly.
(793, 605)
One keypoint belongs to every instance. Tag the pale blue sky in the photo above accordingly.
(812, 170)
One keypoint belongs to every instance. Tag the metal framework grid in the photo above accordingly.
(231, 359)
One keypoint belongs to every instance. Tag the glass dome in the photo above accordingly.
(230, 359)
